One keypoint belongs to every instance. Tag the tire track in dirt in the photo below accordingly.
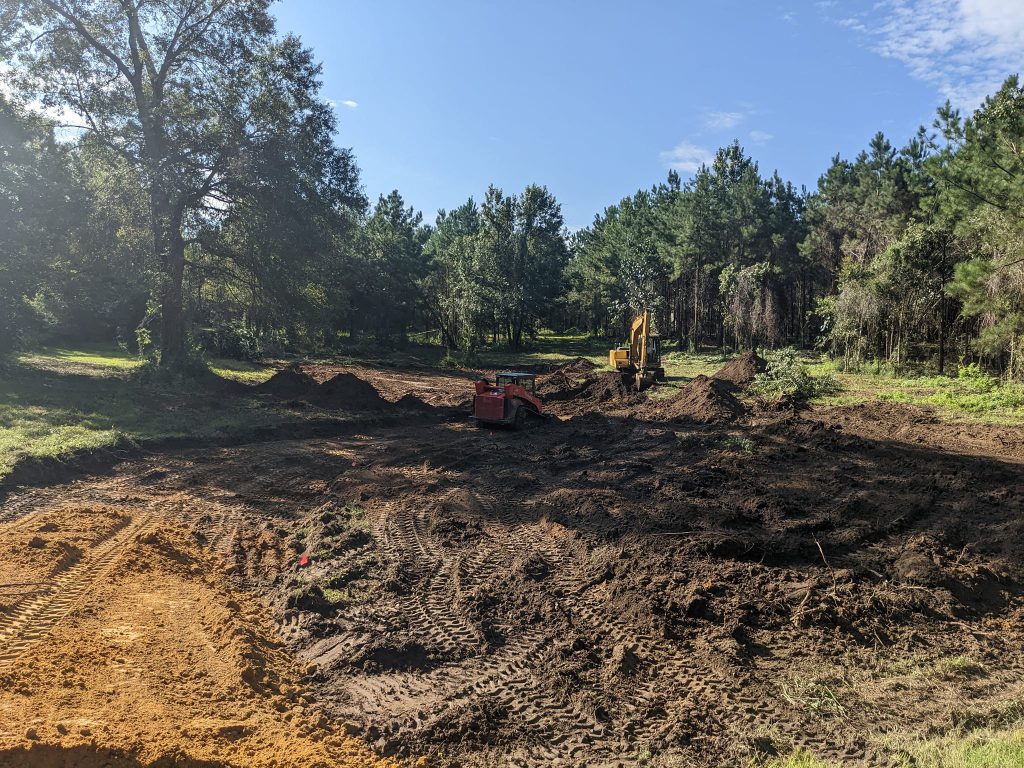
(669, 672)
(505, 678)
(32, 618)
(403, 536)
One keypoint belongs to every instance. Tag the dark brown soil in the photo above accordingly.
(678, 578)
(346, 390)
(288, 382)
(742, 370)
(581, 387)
(703, 400)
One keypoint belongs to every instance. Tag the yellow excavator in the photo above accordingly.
(640, 362)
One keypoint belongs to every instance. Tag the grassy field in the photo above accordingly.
(55, 403)
(966, 395)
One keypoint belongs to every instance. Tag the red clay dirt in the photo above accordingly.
(613, 588)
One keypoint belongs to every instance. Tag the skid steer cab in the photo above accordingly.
(510, 401)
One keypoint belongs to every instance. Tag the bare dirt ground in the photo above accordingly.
(691, 581)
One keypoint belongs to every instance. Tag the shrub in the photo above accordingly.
(233, 340)
(786, 376)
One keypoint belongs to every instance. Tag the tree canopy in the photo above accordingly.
(193, 196)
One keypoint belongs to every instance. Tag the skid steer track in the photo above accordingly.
(32, 618)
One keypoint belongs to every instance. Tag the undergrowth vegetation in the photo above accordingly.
(787, 376)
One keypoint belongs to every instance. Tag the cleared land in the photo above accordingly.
(688, 579)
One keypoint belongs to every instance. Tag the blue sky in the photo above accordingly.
(598, 99)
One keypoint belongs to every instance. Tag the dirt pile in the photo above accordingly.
(742, 370)
(704, 401)
(581, 366)
(580, 386)
(411, 402)
(342, 391)
(346, 390)
(288, 382)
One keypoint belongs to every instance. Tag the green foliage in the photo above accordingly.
(214, 197)
(786, 376)
(41, 215)
(726, 239)
(495, 270)
(235, 340)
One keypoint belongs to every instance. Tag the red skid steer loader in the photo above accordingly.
(510, 401)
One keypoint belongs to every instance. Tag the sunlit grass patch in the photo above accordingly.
(983, 748)
(240, 370)
(88, 361)
(970, 395)
(59, 402)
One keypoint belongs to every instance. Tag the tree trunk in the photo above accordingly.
(172, 327)
(170, 251)
(942, 334)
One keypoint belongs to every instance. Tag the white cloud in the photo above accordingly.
(789, 18)
(723, 120)
(350, 104)
(760, 137)
(686, 157)
(965, 48)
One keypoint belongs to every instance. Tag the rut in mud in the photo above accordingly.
(620, 587)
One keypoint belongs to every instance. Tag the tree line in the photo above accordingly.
(191, 196)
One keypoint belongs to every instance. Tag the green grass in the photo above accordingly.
(968, 396)
(985, 748)
(55, 403)
(240, 370)
(87, 361)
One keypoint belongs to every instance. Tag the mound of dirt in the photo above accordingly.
(410, 402)
(704, 400)
(288, 382)
(346, 390)
(578, 367)
(558, 386)
(579, 388)
(741, 370)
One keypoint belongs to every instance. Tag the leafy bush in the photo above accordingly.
(234, 340)
(786, 376)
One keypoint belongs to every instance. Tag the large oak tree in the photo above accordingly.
(178, 89)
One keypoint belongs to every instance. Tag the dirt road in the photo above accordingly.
(645, 583)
